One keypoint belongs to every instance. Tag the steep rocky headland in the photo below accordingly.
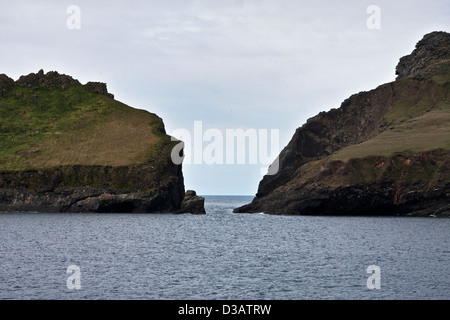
(383, 152)
(69, 147)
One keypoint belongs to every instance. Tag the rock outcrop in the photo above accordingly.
(430, 52)
(99, 87)
(5, 84)
(130, 189)
(192, 203)
(383, 152)
(68, 147)
(49, 80)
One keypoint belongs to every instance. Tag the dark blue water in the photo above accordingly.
(222, 256)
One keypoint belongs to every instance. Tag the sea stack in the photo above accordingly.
(192, 203)
(383, 152)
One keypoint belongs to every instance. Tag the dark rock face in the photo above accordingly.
(386, 186)
(5, 84)
(76, 200)
(139, 189)
(433, 47)
(49, 80)
(99, 87)
(308, 182)
(328, 132)
(192, 203)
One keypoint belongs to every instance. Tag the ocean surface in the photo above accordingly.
(222, 255)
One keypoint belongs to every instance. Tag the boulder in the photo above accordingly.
(192, 203)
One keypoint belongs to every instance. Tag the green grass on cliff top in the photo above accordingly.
(419, 121)
(42, 128)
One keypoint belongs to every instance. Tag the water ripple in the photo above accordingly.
(222, 256)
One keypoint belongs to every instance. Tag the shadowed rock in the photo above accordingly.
(192, 203)
(99, 87)
(49, 80)
(5, 84)
(429, 52)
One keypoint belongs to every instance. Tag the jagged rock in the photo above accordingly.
(99, 87)
(53, 79)
(432, 49)
(5, 84)
(192, 203)
(49, 80)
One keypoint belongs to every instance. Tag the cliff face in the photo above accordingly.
(68, 147)
(385, 151)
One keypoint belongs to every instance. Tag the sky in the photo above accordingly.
(220, 65)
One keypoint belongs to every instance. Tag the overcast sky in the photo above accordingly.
(251, 64)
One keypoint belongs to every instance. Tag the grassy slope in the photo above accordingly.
(42, 128)
(418, 122)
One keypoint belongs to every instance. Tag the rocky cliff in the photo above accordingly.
(383, 152)
(68, 147)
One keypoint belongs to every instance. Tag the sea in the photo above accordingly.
(222, 256)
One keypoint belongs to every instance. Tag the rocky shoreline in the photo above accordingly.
(87, 200)
(394, 187)
(93, 189)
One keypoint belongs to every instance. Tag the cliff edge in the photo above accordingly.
(69, 147)
(383, 152)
